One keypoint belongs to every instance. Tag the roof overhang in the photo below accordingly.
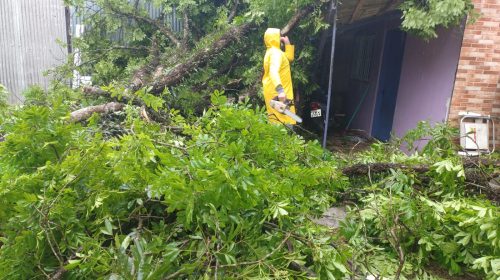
(352, 11)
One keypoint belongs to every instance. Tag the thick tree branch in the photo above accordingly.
(475, 174)
(85, 113)
(379, 167)
(302, 13)
(173, 76)
(200, 59)
(94, 91)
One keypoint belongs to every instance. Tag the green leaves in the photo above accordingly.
(422, 18)
(429, 225)
(218, 98)
(148, 202)
(152, 101)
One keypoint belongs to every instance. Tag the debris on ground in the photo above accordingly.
(332, 217)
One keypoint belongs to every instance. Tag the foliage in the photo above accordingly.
(424, 17)
(3, 101)
(438, 139)
(459, 233)
(411, 221)
(222, 198)
(222, 194)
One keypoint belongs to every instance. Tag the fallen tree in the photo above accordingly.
(159, 76)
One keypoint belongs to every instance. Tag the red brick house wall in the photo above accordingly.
(477, 85)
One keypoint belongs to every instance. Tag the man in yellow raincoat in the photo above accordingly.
(277, 79)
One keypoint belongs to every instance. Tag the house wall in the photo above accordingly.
(28, 33)
(427, 79)
(477, 86)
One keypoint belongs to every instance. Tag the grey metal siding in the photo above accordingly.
(29, 31)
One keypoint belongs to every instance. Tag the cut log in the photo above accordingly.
(85, 113)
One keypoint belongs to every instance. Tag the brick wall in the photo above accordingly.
(477, 85)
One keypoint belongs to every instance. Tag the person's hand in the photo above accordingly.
(281, 93)
(285, 40)
(282, 97)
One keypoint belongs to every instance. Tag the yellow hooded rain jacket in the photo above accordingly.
(277, 72)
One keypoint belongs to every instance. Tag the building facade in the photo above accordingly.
(477, 84)
(386, 80)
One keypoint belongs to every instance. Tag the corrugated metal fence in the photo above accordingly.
(154, 12)
(28, 33)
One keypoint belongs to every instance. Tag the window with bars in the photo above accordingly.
(363, 56)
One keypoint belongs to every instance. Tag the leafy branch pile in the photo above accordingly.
(169, 182)
(227, 197)
(223, 196)
(406, 220)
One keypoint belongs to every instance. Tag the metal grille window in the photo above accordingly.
(363, 56)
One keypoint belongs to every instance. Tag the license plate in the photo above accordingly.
(316, 113)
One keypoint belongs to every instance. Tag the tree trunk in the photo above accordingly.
(200, 59)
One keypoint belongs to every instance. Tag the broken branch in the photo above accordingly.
(296, 18)
(85, 113)
(185, 36)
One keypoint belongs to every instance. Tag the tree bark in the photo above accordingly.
(94, 91)
(296, 18)
(85, 113)
(185, 35)
(200, 59)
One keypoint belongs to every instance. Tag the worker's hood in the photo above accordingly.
(272, 38)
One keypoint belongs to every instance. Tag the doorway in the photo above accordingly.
(387, 92)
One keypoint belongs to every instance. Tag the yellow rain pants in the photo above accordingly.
(277, 72)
